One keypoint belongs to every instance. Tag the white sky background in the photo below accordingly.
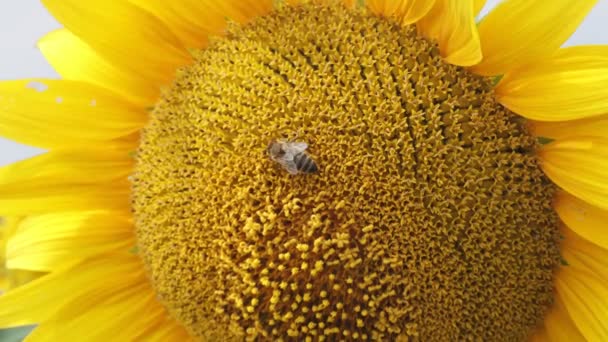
(23, 22)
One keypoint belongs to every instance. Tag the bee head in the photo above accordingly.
(275, 149)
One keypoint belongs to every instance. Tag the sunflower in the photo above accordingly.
(461, 190)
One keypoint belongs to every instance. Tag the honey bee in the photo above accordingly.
(292, 156)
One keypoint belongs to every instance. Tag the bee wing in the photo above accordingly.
(290, 166)
(294, 148)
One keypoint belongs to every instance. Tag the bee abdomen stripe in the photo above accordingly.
(300, 160)
(305, 163)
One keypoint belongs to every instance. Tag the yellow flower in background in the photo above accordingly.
(462, 190)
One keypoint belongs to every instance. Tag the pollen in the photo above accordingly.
(429, 217)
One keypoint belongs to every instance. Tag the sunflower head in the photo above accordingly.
(429, 209)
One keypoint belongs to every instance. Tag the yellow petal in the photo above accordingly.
(11, 278)
(349, 3)
(590, 127)
(583, 286)
(385, 8)
(8, 227)
(66, 179)
(129, 312)
(58, 113)
(18, 277)
(34, 199)
(123, 34)
(414, 10)
(585, 298)
(582, 255)
(478, 5)
(519, 31)
(586, 220)
(247, 8)
(73, 287)
(46, 242)
(194, 20)
(118, 316)
(452, 24)
(570, 84)
(191, 20)
(241, 11)
(88, 165)
(539, 335)
(74, 60)
(579, 167)
(406, 11)
(559, 326)
(167, 330)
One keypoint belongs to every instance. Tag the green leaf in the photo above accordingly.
(544, 140)
(133, 250)
(496, 79)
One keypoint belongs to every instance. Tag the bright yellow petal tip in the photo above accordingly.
(579, 167)
(452, 25)
(83, 114)
(570, 84)
(75, 60)
(520, 31)
(124, 35)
